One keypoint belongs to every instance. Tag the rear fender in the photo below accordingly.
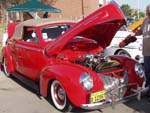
(7, 55)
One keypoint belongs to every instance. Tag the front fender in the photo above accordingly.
(129, 65)
(69, 76)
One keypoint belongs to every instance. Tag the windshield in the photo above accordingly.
(52, 32)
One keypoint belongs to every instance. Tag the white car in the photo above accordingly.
(133, 50)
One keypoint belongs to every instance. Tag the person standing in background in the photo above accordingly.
(45, 15)
(145, 31)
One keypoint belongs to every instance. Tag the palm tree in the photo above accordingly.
(4, 4)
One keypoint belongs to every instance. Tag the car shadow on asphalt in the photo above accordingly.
(141, 106)
(84, 111)
(75, 109)
(25, 86)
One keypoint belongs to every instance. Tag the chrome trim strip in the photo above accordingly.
(28, 48)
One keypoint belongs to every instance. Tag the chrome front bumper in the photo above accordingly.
(112, 102)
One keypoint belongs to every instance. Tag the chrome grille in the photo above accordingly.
(115, 88)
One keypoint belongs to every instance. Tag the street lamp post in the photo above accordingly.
(104, 2)
(138, 9)
(82, 6)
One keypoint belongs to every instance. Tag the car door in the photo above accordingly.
(16, 54)
(32, 60)
(29, 54)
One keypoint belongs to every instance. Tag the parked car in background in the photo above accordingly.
(64, 60)
(132, 50)
(130, 20)
(136, 25)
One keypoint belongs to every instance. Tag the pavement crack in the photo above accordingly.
(6, 89)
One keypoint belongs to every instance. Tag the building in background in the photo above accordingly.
(73, 9)
(103, 2)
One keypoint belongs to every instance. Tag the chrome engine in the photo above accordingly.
(90, 60)
(97, 62)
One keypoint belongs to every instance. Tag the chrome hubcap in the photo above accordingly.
(59, 94)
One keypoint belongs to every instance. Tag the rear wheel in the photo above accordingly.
(5, 68)
(59, 97)
(123, 53)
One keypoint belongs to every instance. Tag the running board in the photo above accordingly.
(32, 84)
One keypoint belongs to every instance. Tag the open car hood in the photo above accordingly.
(100, 26)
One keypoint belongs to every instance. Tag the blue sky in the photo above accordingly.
(134, 3)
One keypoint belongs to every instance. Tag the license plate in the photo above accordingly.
(97, 96)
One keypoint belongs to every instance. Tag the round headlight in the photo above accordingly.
(86, 81)
(139, 69)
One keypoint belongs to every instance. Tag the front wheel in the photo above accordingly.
(5, 68)
(123, 53)
(59, 97)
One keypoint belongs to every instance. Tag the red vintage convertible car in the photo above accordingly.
(64, 60)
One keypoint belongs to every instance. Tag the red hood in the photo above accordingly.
(100, 26)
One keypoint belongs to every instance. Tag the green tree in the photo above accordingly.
(140, 15)
(131, 12)
(126, 9)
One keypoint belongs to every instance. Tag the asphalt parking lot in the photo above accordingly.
(15, 97)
